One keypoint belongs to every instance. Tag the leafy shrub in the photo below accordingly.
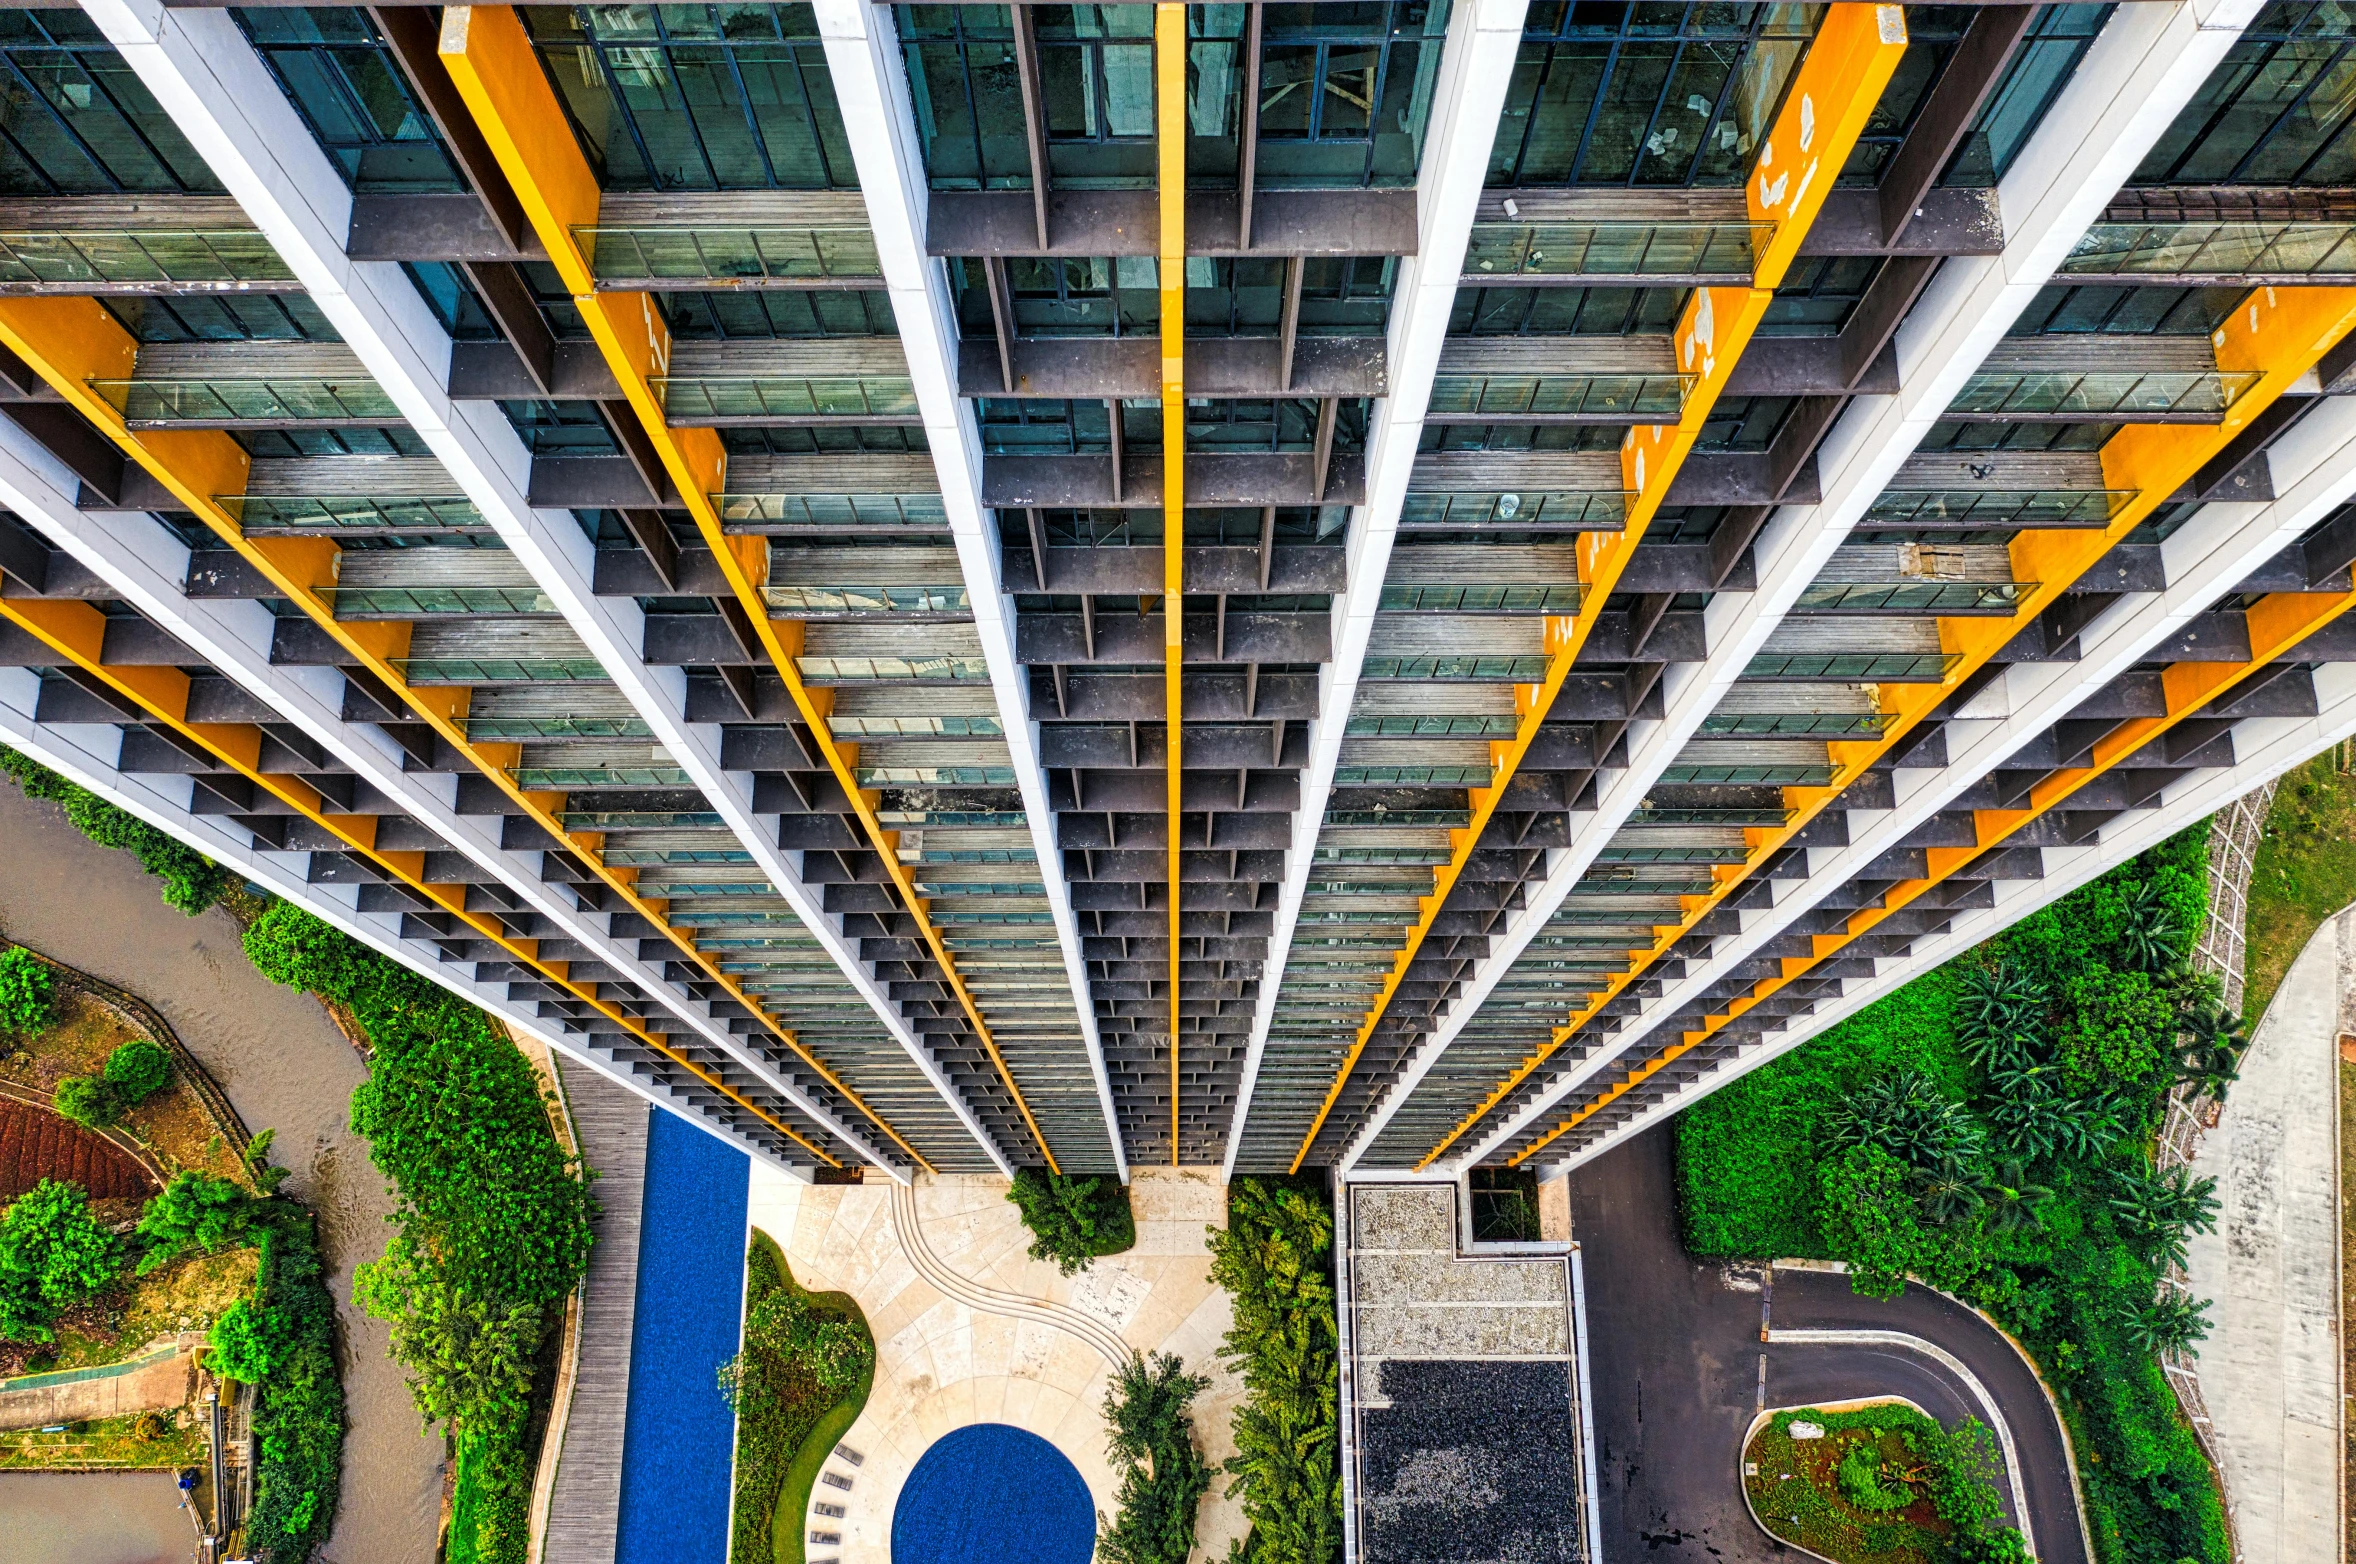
(2120, 1026)
(53, 1254)
(470, 1358)
(25, 983)
(1275, 1262)
(834, 1351)
(1861, 1480)
(194, 1211)
(192, 882)
(786, 1420)
(1073, 1219)
(1870, 1216)
(1150, 1438)
(89, 1100)
(138, 1070)
(293, 949)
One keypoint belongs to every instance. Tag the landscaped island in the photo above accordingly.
(1989, 1129)
(1880, 1483)
(799, 1384)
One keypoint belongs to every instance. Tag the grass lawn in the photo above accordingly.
(176, 1440)
(1794, 1489)
(2306, 871)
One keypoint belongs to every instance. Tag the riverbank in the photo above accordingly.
(284, 1066)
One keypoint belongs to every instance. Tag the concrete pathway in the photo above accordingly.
(994, 1340)
(161, 1376)
(2270, 1369)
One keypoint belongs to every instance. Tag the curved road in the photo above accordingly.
(1673, 1345)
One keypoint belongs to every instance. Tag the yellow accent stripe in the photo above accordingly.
(76, 632)
(498, 72)
(1832, 96)
(1169, 46)
(72, 341)
(2277, 333)
(2277, 623)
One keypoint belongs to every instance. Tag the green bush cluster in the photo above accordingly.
(791, 1398)
(26, 1009)
(1275, 1261)
(281, 1341)
(491, 1218)
(53, 1254)
(133, 1073)
(1987, 1128)
(192, 882)
(1896, 1457)
(1073, 1219)
(1150, 1437)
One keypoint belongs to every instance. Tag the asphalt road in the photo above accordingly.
(1675, 1352)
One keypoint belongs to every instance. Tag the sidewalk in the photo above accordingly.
(2271, 1367)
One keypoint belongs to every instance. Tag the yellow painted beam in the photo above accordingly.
(76, 632)
(1169, 52)
(71, 341)
(1832, 96)
(2277, 334)
(498, 73)
(2277, 623)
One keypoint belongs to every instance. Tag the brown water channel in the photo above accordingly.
(94, 1518)
(285, 1067)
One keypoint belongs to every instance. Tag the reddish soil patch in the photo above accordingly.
(35, 1145)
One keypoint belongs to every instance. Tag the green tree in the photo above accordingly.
(138, 1070)
(2148, 939)
(469, 1358)
(1150, 1437)
(2119, 1027)
(2157, 1211)
(1072, 1219)
(53, 1254)
(1274, 1260)
(2002, 1545)
(292, 948)
(25, 984)
(2173, 1322)
(247, 1342)
(89, 1100)
(1907, 1115)
(1998, 1010)
(194, 1211)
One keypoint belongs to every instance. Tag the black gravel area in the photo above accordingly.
(1472, 1463)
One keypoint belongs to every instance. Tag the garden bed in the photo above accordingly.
(1794, 1487)
(788, 1421)
(118, 1323)
(172, 1127)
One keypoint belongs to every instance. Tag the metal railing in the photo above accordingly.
(97, 260)
(866, 599)
(716, 398)
(485, 728)
(409, 602)
(632, 257)
(2247, 251)
(499, 670)
(833, 512)
(276, 401)
(1914, 597)
(1898, 667)
(1571, 398)
(353, 513)
(1595, 511)
(862, 670)
(1968, 509)
(1520, 669)
(2139, 395)
(1786, 724)
(1715, 251)
(1503, 598)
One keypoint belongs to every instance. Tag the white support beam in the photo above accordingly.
(222, 96)
(2146, 64)
(2315, 472)
(1476, 66)
(145, 565)
(86, 754)
(2266, 746)
(871, 84)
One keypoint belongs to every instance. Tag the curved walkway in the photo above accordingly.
(282, 1065)
(969, 1329)
(1680, 1368)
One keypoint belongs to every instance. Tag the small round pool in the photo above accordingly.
(993, 1491)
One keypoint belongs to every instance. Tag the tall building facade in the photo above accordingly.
(1389, 586)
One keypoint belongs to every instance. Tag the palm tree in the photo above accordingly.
(2171, 1323)
(2148, 942)
(1907, 1115)
(2212, 1044)
(1997, 1014)
(1953, 1190)
(2160, 1211)
(2015, 1204)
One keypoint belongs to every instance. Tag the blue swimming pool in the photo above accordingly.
(993, 1492)
(679, 1439)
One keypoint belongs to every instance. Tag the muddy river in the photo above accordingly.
(287, 1068)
